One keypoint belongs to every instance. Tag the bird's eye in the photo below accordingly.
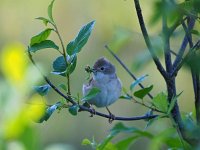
(102, 68)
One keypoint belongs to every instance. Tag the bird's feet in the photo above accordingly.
(93, 111)
(111, 116)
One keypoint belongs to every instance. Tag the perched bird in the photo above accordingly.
(105, 79)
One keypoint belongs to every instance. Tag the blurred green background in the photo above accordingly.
(117, 26)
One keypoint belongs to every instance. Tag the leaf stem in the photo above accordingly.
(65, 58)
(150, 107)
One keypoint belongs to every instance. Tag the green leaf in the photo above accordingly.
(45, 20)
(120, 127)
(125, 143)
(73, 110)
(42, 36)
(42, 90)
(143, 92)
(63, 86)
(138, 81)
(59, 66)
(86, 142)
(92, 93)
(92, 143)
(127, 97)
(49, 111)
(108, 146)
(77, 44)
(196, 32)
(105, 142)
(43, 45)
(71, 64)
(50, 9)
(160, 102)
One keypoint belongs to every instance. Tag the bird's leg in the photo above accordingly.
(112, 117)
(93, 112)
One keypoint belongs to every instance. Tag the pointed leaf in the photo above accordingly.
(41, 36)
(43, 45)
(73, 110)
(42, 90)
(120, 127)
(50, 9)
(76, 45)
(92, 93)
(127, 97)
(71, 64)
(196, 32)
(143, 92)
(49, 112)
(125, 143)
(106, 141)
(59, 66)
(45, 20)
(160, 102)
(138, 81)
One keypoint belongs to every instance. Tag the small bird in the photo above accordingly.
(105, 79)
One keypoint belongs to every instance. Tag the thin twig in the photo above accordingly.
(126, 68)
(147, 40)
(188, 55)
(145, 105)
(183, 45)
(83, 108)
(175, 54)
(195, 74)
(65, 58)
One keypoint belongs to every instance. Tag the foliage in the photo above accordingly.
(64, 64)
(164, 104)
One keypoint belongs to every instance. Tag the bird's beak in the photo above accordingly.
(93, 70)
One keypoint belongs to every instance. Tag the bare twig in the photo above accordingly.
(175, 54)
(195, 74)
(184, 44)
(147, 40)
(188, 55)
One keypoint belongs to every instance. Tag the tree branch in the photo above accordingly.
(147, 40)
(170, 82)
(83, 108)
